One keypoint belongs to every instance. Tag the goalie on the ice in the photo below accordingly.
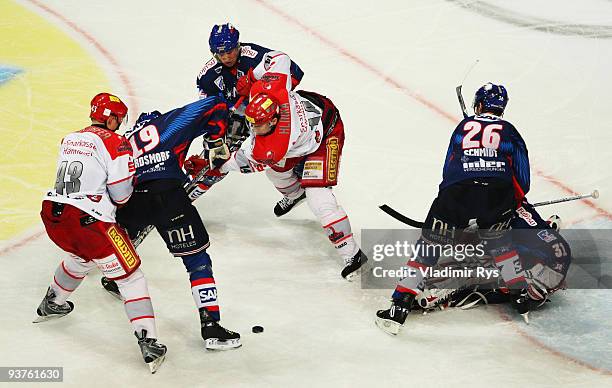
(544, 253)
(485, 177)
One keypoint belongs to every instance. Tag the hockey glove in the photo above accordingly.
(218, 152)
(244, 83)
(195, 164)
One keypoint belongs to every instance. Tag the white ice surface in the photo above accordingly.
(371, 58)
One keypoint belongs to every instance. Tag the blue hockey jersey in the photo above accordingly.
(161, 141)
(215, 79)
(486, 146)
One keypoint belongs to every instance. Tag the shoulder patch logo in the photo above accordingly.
(247, 51)
(209, 65)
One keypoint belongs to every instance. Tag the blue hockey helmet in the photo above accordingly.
(223, 38)
(493, 98)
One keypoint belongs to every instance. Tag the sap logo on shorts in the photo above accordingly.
(525, 215)
(333, 154)
(546, 236)
(123, 248)
(208, 295)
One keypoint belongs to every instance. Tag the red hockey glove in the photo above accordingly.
(195, 164)
(244, 83)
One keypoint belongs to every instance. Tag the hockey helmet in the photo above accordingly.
(493, 98)
(103, 105)
(261, 109)
(223, 38)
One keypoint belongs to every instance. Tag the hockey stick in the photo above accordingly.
(594, 195)
(461, 102)
(458, 91)
(400, 217)
(418, 224)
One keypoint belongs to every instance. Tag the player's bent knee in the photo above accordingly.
(117, 267)
(321, 201)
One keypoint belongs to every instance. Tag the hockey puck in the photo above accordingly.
(257, 329)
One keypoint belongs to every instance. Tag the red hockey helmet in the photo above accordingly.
(261, 109)
(103, 105)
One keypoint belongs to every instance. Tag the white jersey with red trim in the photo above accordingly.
(275, 66)
(95, 170)
(299, 132)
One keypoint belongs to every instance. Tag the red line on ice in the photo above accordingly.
(105, 53)
(433, 107)
(411, 93)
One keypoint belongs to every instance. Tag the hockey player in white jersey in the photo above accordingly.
(94, 176)
(298, 138)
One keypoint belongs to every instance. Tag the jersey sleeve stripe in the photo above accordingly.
(120, 180)
(122, 200)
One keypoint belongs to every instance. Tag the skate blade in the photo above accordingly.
(216, 344)
(388, 326)
(351, 277)
(46, 318)
(114, 294)
(155, 364)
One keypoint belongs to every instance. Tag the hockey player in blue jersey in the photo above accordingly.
(485, 177)
(160, 143)
(236, 65)
(231, 72)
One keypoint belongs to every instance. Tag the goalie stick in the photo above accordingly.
(418, 224)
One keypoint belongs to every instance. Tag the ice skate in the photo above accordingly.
(153, 353)
(111, 287)
(215, 336)
(391, 321)
(353, 266)
(285, 205)
(49, 310)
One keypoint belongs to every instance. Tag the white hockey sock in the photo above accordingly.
(334, 220)
(287, 183)
(68, 276)
(137, 303)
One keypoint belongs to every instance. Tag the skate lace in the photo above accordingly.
(285, 203)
